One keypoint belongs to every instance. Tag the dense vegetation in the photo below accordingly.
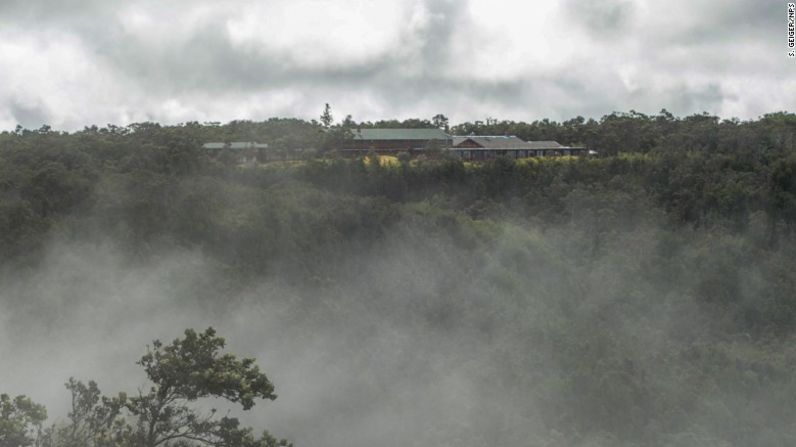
(642, 297)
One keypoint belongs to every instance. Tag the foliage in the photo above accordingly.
(187, 370)
(326, 116)
(182, 372)
(680, 236)
(20, 421)
(94, 420)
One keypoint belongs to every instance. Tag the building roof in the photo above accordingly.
(494, 141)
(549, 144)
(400, 134)
(506, 142)
(235, 145)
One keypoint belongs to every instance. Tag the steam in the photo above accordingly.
(418, 340)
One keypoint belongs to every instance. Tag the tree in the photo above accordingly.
(189, 369)
(326, 116)
(338, 135)
(20, 421)
(440, 121)
(94, 420)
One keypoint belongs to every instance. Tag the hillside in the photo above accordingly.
(642, 297)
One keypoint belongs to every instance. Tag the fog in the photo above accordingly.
(415, 340)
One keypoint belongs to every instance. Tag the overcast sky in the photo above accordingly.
(71, 63)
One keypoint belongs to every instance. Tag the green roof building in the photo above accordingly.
(396, 140)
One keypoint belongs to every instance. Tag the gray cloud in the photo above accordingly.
(30, 117)
(735, 21)
(603, 17)
(439, 33)
(203, 60)
(38, 11)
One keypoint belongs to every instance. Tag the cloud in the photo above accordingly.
(28, 116)
(85, 62)
(602, 18)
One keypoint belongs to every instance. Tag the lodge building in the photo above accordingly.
(472, 147)
(487, 147)
(412, 141)
(393, 141)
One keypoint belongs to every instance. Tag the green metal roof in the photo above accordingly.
(400, 134)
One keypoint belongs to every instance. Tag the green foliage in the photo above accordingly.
(440, 121)
(326, 116)
(20, 421)
(192, 368)
(679, 237)
(184, 371)
(94, 420)
(188, 369)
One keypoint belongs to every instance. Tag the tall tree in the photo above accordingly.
(189, 369)
(326, 116)
(94, 420)
(440, 121)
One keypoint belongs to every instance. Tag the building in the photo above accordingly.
(488, 147)
(472, 147)
(392, 141)
(242, 152)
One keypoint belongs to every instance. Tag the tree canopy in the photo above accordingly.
(188, 369)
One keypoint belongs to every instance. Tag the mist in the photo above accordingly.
(640, 297)
(416, 340)
(618, 271)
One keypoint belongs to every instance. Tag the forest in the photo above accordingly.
(645, 296)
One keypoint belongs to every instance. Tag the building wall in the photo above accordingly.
(392, 145)
(478, 154)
